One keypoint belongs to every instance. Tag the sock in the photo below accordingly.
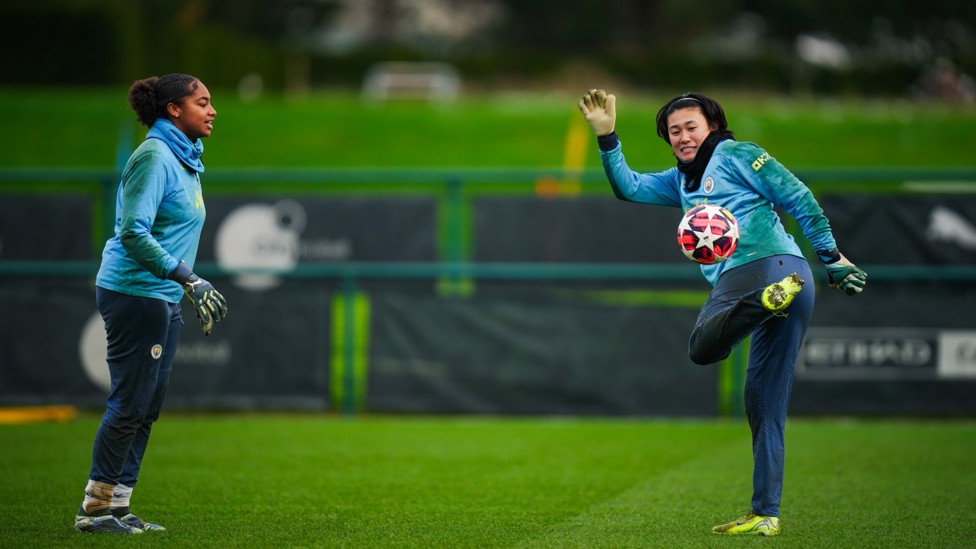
(98, 497)
(120, 500)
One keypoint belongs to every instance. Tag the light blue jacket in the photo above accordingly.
(159, 217)
(744, 179)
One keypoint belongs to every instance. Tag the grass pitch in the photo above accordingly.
(325, 481)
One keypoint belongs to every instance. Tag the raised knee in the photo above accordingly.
(700, 352)
(703, 358)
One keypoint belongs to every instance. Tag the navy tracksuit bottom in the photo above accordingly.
(143, 334)
(732, 312)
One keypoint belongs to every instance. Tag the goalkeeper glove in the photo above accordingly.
(209, 305)
(842, 274)
(600, 110)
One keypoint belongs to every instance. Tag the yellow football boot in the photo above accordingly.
(778, 295)
(750, 525)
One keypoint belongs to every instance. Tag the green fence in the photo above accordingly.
(454, 190)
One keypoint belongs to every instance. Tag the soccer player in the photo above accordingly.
(146, 269)
(761, 289)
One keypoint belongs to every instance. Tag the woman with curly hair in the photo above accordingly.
(146, 269)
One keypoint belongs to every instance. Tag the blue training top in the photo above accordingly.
(742, 178)
(158, 221)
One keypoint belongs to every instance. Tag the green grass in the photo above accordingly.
(81, 128)
(322, 481)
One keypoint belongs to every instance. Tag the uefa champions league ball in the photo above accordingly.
(708, 234)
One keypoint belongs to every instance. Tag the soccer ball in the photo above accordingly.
(708, 234)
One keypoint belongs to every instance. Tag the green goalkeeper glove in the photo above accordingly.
(842, 274)
(209, 305)
(600, 110)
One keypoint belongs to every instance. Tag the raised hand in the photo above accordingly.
(599, 109)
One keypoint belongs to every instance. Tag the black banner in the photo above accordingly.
(271, 352)
(46, 227)
(284, 231)
(574, 230)
(903, 347)
(40, 342)
(904, 229)
(897, 349)
(533, 353)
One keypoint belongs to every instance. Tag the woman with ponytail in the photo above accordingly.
(146, 269)
(761, 289)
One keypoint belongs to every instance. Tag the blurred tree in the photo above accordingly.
(103, 42)
(61, 42)
(820, 46)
